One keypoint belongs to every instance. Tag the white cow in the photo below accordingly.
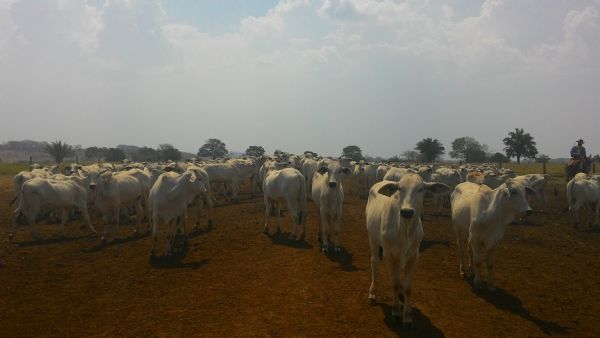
(309, 167)
(226, 174)
(479, 218)
(449, 177)
(203, 198)
(538, 183)
(286, 185)
(395, 233)
(117, 190)
(328, 193)
(168, 201)
(584, 192)
(38, 193)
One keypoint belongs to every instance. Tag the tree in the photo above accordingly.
(146, 154)
(256, 151)
(410, 155)
(59, 150)
(430, 148)
(596, 158)
(352, 152)
(168, 152)
(520, 144)
(499, 158)
(469, 150)
(394, 159)
(213, 148)
(543, 158)
(114, 154)
(93, 153)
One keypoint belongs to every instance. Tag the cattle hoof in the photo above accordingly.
(397, 315)
(266, 231)
(11, 235)
(338, 250)
(210, 223)
(492, 289)
(373, 300)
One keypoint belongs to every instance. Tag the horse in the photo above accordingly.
(577, 166)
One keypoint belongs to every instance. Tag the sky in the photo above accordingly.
(300, 75)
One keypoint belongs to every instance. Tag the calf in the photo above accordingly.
(584, 192)
(286, 185)
(395, 233)
(328, 193)
(479, 218)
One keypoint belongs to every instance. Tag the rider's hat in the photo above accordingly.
(580, 140)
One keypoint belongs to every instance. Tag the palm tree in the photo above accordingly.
(430, 148)
(520, 144)
(59, 151)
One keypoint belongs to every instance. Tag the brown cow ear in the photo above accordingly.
(389, 189)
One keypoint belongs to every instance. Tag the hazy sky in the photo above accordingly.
(300, 75)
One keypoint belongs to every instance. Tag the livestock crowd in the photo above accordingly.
(483, 200)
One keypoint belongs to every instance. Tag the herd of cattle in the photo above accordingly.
(483, 200)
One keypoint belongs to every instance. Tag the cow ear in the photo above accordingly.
(323, 170)
(437, 188)
(347, 170)
(81, 172)
(389, 189)
(529, 192)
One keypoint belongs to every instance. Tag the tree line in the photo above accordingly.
(518, 145)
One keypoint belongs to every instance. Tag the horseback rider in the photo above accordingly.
(578, 152)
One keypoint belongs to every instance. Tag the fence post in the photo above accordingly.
(499, 165)
(593, 167)
(30, 162)
(77, 160)
(544, 167)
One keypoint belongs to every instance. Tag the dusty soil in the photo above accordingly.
(237, 281)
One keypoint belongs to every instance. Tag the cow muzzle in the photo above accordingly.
(92, 186)
(332, 184)
(529, 212)
(407, 213)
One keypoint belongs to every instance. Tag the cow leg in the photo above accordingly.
(278, 213)
(209, 205)
(336, 236)
(117, 234)
(375, 260)
(490, 269)
(320, 225)
(293, 209)
(394, 268)
(597, 212)
(324, 232)
(169, 228)
(460, 243)
(86, 216)
(63, 220)
(476, 256)
(106, 219)
(410, 268)
(139, 214)
(154, 225)
(199, 213)
(268, 206)
(31, 216)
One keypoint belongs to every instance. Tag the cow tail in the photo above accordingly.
(570, 194)
(302, 200)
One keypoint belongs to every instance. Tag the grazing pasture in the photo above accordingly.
(237, 281)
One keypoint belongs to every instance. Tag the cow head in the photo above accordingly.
(514, 195)
(334, 171)
(409, 193)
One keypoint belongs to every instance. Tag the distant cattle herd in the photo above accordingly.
(483, 200)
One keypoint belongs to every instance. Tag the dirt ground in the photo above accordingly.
(237, 281)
